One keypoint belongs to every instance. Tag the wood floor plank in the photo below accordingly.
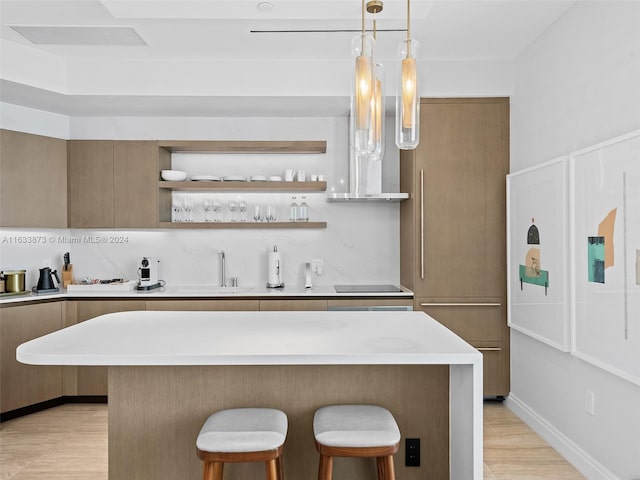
(513, 451)
(66, 442)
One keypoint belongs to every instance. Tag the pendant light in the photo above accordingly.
(408, 96)
(362, 93)
(377, 101)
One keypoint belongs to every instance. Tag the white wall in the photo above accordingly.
(576, 86)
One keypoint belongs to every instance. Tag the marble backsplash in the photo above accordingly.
(359, 245)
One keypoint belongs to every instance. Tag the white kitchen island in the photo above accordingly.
(170, 370)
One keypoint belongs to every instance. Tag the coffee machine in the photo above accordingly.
(148, 274)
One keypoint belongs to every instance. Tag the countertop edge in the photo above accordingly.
(174, 294)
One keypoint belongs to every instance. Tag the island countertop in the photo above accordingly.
(251, 338)
(169, 369)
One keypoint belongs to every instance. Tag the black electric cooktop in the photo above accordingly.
(367, 289)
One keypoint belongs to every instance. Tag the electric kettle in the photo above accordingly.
(45, 282)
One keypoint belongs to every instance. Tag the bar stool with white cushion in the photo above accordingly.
(356, 431)
(242, 435)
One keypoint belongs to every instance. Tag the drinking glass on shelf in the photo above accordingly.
(270, 213)
(232, 209)
(242, 207)
(257, 213)
(176, 205)
(217, 206)
(187, 203)
(207, 205)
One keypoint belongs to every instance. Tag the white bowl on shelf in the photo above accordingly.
(173, 175)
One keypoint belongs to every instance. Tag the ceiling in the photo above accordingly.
(196, 36)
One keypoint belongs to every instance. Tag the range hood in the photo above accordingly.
(365, 182)
(367, 197)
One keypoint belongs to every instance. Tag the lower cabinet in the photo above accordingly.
(23, 385)
(480, 324)
(293, 304)
(370, 303)
(92, 380)
(204, 305)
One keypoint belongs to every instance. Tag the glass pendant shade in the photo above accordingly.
(408, 98)
(362, 93)
(378, 109)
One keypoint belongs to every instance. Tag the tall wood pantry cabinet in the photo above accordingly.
(453, 227)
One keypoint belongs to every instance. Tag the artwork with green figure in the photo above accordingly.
(595, 259)
(531, 271)
(542, 279)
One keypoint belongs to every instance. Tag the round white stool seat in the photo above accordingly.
(242, 430)
(355, 426)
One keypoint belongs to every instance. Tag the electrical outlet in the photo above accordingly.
(590, 402)
(412, 452)
(316, 265)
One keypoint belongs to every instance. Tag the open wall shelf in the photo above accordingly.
(243, 225)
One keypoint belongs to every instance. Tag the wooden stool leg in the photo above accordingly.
(217, 470)
(280, 468)
(208, 471)
(385, 468)
(325, 470)
(272, 469)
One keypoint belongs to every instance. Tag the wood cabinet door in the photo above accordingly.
(136, 184)
(90, 183)
(461, 166)
(24, 385)
(484, 327)
(204, 305)
(33, 180)
(293, 304)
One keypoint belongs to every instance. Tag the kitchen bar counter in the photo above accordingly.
(169, 370)
(207, 291)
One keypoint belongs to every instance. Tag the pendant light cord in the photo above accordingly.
(362, 52)
(408, 19)
(408, 29)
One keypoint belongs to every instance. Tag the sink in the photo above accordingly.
(210, 289)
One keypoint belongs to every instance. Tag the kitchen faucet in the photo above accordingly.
(222, 268)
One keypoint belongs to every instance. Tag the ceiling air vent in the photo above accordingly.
(79, 35)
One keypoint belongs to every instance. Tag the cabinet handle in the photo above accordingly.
(422, 224)
(460, 304)
(489, 349)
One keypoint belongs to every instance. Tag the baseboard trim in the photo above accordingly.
(54, 402)
(576, 456)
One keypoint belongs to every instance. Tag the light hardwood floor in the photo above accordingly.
(512, 451)
(70, 443)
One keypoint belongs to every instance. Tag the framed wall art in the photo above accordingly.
(606, 255)
(538, 252)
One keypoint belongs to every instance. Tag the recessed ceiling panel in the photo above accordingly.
(79, 35)
(253, 9)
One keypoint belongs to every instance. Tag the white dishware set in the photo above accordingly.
(289, 175)
(301, 176)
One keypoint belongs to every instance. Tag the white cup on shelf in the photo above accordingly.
(302, 176)
(288, 175)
